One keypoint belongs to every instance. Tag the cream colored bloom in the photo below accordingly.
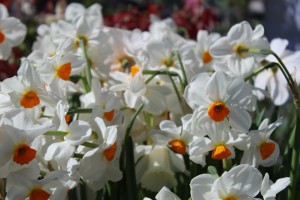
(12, 33)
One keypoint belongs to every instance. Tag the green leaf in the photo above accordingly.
(259, 117)
(213, 171)
(131, 185)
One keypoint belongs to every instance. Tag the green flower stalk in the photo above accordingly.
(294, 142)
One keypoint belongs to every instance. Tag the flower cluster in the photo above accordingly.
(94, 105)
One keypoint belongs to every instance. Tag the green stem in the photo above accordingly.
(88, 73)
(80, 110)
(163, 72)
(294, 143)
(2, 188)
(82, 191)
(129, 126)
(150, 78)
(90, 145)
(260, 69)
(227, 163)
(127, 161)
(132, 192)
(175, 88)
(56, 133)
(78, 155)
(281, 65)
(182, 68)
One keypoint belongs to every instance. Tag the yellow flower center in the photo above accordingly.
(237, 49)
(230, 198)
(217, 111)
(30, 99)
(77, 41)
(220, 152)
(267, 149)
(134, 69)
(124, 63)
(178, 146)
(168, 62)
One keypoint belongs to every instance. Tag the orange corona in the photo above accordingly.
(218, 111)
(178, 146)
(64, 71)
(267, 149)
(220, 152)
(2, 37)
(23, 154)
(109, 153)
(30, 99)
(39, 194)
(109, 116)
(206, 57)
(134, 69)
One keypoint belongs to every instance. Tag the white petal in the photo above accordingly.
(201, 185)
(79, 132)
(239, 33)
(216, 87)
(221, 48)
(278, 91)
(258, 32)
(6, 144)
(247, 180)
(60, 151)
(5, 51)
(194, 93)
(239, 119)
(166, 194)
(93, 165)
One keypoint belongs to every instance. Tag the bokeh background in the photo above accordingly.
(281, 18)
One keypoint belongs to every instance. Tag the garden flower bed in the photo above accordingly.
(96, 112)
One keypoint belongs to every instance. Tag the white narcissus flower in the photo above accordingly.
(104, 104)
(272, 79)
(101, 164)
(83, 29)
(160, 27)
(221, 142)
(166, 59)
(176, 138)
(137, 92)
(27, 90)
(240, 183)
(93, 13)
(20, 141)
(12, 33)
(204, 42)
(165, 194)
(154, 170)
(263, 151)
(240, 36)
(270, 189)
(62, 148)
(220, 98)
(61, 66)
(52, 186)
